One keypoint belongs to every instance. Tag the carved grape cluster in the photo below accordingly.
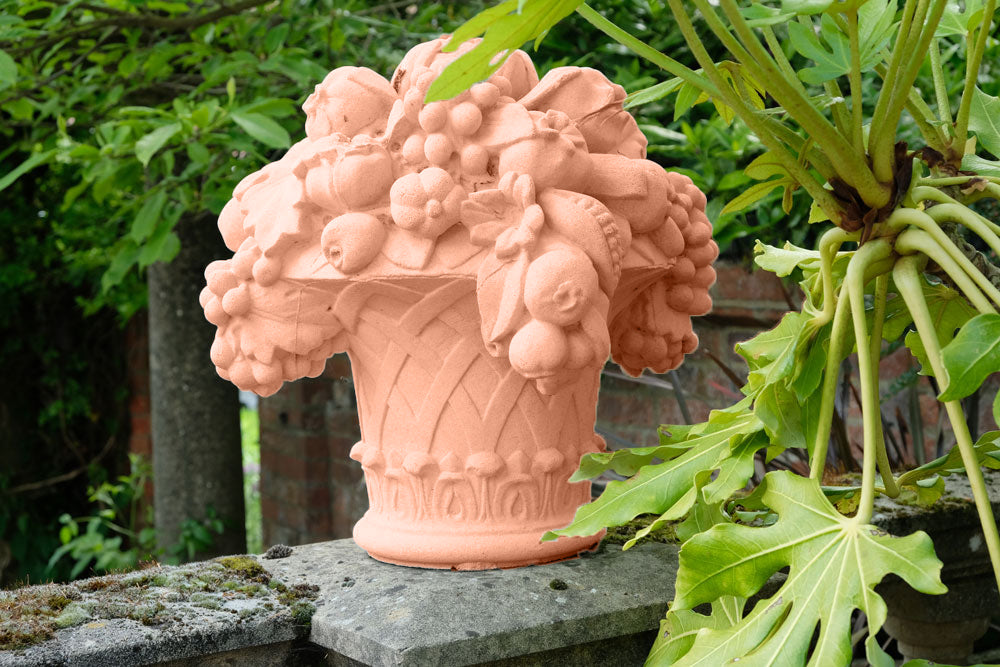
(655, 330)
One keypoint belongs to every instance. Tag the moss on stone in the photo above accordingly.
(665, 532)
(28, 616)
(153, 596)
(246, 567)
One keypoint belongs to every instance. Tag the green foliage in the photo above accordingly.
(811, 538)
(971, 356)
(111, 538)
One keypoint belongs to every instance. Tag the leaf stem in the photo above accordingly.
(940, 87)
(644, 50)
(916, 240)
(822, 197)
(850, 164)
(972, 63)
(962, 215)
(835, 356)
(890, 487)
(889, 78)
(907, 279)
(882, 153)
(909, 216)
(829, 245)
(870, 252)
(855, 79)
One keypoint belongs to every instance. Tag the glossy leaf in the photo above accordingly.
(755, 193)
(8, 70)
(815, 542)
(981, 165)
(504, 28)
(771, 355)
(971, 356)
(956, 19)
(263, 129)
(984, 120)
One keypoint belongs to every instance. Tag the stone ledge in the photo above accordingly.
(380, 614)
(158, 615)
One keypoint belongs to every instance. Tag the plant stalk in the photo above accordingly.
(855, 79)
(835, 356)
(909, 216)
(798, 172)
(940, 87)
(870, 252)
(907, 279)
(916, 240)
(852, 166)
(882, 153)
(890, 487)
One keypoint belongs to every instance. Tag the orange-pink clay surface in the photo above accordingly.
(479, 259)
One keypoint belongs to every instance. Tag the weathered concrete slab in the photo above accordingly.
(157, 615)
(380, 614)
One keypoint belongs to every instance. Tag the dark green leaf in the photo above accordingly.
(35, 160)
(147, 217)
(263, 129)
(8, 70)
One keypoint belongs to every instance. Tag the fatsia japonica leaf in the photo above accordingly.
(668, 486)
(956, 19)
(830, 49)
(771, 355)
(834, 565)
(712, 488)
(678, 631)
(949, 309)
(971, 356)
(782, 261)
(981, 165)
(924, 485)
(984, 120)
(504, 29)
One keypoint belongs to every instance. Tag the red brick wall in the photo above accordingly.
(310, 489)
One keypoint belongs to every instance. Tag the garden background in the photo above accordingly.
(127, 123)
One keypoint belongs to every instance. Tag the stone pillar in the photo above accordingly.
(195, 413)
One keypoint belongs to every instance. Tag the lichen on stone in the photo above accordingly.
(157, 596)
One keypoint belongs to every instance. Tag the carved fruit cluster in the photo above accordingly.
(654, 331)
(539, 189)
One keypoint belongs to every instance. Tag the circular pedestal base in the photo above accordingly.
(444, 548)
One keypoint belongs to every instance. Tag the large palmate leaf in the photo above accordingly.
(669, 487)
(971, 356)
(834, 564)
(504, 29)
(830, 49)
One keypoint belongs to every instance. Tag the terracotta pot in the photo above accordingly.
(477, 259)
(466, 462)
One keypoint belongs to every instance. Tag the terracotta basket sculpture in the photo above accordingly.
(478, 259)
